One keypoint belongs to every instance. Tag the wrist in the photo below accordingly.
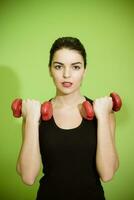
(104, 117)
(31, 120)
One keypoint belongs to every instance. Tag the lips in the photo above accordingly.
(67, 84)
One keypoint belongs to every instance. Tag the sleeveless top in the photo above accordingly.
(69, 162)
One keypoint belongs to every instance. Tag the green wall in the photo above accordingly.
(27, 30)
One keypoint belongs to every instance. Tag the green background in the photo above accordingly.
(27, 31)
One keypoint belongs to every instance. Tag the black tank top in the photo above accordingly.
(69, 166)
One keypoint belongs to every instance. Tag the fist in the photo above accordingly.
(102, 106)
(31, 109)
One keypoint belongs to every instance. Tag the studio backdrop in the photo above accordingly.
(27, 30)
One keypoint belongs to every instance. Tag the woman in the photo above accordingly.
(76, 153)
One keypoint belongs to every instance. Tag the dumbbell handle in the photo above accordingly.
(88, 108)
(46, 109)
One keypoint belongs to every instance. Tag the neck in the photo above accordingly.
(68, 99)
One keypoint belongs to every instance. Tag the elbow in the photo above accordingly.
(28, 180)
(108, 175)
(106, 178)
(26, 177)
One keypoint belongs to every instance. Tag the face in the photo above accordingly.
(67, 70)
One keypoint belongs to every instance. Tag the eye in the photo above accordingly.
(57, 67)
(76, 67)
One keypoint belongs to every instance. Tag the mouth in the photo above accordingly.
(67, 84)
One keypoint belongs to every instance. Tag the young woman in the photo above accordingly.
(76, 153)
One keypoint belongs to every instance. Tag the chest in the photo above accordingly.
(57, 143)
(67, 118)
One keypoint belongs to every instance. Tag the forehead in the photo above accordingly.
(67, 55)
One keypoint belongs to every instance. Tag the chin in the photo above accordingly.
(64, 93)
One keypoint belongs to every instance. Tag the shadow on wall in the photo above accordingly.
(9, 133)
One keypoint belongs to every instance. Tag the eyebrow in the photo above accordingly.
(63, 64)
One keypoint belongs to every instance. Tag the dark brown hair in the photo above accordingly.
(69, 43)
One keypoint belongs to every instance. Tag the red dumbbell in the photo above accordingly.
(46, 109)
(88, 108)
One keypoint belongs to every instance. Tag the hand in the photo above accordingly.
(102, 106)
(31, 109)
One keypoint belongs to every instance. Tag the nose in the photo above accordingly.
(66, 73)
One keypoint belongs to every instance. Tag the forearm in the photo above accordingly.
(106, 154)
(28, 164)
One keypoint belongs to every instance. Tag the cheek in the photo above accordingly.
(56, 78)
(79, 77)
